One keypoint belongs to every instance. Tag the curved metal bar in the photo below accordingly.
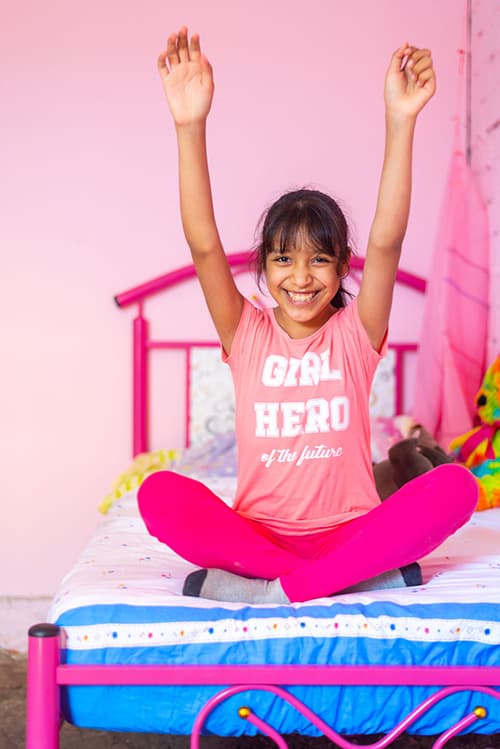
(459, 726)
(141, 292)
(400, 728)
(443, 739)
(263, 727)
(207, 708)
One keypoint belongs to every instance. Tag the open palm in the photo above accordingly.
(187, 78)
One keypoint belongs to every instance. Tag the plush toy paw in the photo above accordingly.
(428, 446)
(407, 462)
(407, 459)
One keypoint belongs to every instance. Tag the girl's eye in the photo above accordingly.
(322, 259)
(281, 259)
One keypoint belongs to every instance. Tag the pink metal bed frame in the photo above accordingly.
(47, 675)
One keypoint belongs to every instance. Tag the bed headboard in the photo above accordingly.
(209, 395)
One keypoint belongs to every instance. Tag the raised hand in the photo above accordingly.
(410, 80)
(187, 78)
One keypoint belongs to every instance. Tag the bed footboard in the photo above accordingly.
(247, 713)
(46, 675)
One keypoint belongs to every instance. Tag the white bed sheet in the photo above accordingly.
(123, 564)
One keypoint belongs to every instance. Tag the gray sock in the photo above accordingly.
(399, 578)
(219, 585)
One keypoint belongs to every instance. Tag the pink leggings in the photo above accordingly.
(194, 522)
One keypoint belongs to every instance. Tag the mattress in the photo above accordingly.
(122, 604)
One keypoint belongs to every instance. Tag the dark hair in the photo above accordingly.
(313, 213)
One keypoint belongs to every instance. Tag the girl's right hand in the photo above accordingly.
(187, 78)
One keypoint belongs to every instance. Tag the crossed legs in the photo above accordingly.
(195, 523)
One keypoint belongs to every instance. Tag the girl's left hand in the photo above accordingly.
(410, 80)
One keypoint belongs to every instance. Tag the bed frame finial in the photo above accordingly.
(42, 694)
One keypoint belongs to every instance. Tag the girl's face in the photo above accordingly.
(303, 282)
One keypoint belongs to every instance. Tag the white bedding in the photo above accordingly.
(124, 564)
(122, 603)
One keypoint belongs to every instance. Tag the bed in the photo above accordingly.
(123, 650)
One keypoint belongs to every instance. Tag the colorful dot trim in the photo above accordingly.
(230, 630)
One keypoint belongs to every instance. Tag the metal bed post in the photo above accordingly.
(140, 384)
(42, 696)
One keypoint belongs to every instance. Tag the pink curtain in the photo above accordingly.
(452, 355)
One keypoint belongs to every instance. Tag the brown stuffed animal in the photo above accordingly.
(407, 459)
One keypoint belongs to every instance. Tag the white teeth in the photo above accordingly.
(301, 296)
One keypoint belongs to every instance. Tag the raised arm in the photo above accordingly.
(188, 84)
(409, 84)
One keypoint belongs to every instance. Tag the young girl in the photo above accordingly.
(306, 521)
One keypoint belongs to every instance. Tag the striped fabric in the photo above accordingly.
(452, 355)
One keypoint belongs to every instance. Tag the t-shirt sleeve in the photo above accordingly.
(244, 338)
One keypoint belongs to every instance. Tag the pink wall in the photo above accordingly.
(89, 198)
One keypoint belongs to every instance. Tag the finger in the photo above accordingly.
(426, 79)
(423, 63)
(162, 63)
(417, 54)
(173, 57)
(205, 65)
(418, 58)
(194, 47)
(400, 56)
(182, 44)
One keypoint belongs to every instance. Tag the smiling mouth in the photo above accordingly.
(301, 297)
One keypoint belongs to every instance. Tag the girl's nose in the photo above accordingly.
(301, 275)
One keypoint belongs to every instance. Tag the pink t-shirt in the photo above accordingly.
(302, 421)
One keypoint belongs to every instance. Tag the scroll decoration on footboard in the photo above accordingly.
(246, 713)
